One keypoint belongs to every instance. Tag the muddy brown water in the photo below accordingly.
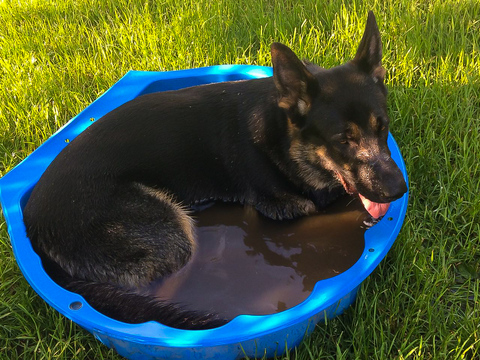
(248, 264)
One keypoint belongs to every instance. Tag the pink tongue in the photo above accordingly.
(375, 209)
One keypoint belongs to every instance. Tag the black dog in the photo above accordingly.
(111, 212)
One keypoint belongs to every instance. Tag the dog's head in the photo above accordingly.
(337, 120)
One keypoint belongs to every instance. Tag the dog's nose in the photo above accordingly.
(392, 184)
(395, 192)
(395, 185)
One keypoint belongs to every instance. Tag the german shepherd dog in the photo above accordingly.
(112, 211)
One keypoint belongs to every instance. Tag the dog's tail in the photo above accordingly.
(131, 307)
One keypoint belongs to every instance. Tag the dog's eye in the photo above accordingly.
(343, 139)
(347, 141)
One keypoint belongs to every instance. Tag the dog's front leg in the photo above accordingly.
(285, 207)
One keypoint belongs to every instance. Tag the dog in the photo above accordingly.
(112, 212)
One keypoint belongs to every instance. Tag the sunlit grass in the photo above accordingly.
(422, 302)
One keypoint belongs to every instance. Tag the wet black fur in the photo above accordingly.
(95, 216)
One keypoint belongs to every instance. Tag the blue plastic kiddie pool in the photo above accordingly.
(244, 336)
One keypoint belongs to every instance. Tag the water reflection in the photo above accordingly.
(247, 264)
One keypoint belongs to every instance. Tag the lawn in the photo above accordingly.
(423, 301)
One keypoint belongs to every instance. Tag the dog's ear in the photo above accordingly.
(369, 52)
(295, 84)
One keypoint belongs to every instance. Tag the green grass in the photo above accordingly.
(423, 301)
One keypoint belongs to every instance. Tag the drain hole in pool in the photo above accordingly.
(76, 305)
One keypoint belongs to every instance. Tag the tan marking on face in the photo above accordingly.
(355, 131)
(363, 153)
(321, 151)
(368, 149)
(292, 129)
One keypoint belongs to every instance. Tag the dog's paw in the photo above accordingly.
(286, 208)
(371, 221)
